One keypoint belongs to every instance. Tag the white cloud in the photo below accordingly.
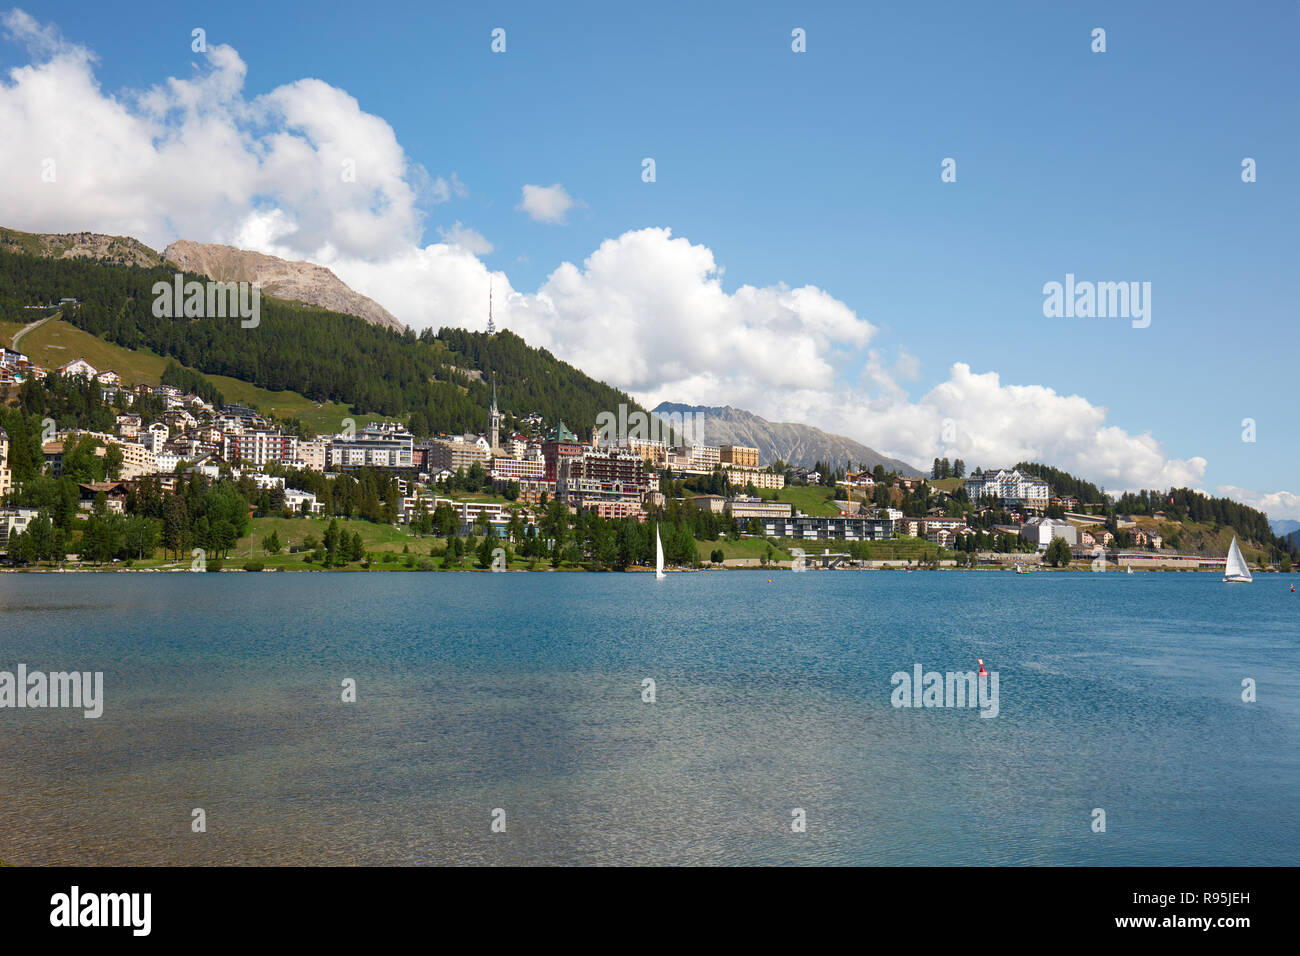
(197, 158)
(995, 425)
(548, 204)
(466, 238)
(20, 27)
(1276, 504)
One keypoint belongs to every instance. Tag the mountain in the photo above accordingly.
(118, 250)
(303, 282)
(793, 443)
(1285, 527)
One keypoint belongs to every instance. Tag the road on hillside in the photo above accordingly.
(29, 326)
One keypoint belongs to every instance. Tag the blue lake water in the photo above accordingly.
(524, 692)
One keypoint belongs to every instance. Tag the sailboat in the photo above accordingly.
(659, 556)
(1130, 569)
(1236, 571)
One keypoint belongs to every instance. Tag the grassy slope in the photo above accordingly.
(744, 548)
(810, 499)
(57, 342)
(327, 417)
(8, 330)
(1198, 538)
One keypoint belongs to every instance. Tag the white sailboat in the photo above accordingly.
(659, 556)
(1236, 571)
(1130, 569)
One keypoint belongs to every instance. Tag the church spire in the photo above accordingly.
(494, 416)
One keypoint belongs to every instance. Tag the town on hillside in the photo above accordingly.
(164, 468)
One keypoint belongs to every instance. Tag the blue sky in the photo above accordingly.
(822, 169)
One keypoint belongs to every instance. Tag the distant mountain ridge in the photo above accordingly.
(303, 282)
(118, 250)
(793, 443)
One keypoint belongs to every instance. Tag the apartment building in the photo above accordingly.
(136, 460)
(739, 455)
(704, 457)
(258, 447)
(744, 507)
(842, 527)
(6, 475)
(518, 469)
(375, 446)
(655, 452)
(455, 453)
(759, 478)
(312, 454)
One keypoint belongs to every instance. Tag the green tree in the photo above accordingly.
(1058, 553)
(332, 535)
(446, 522)
(113, 459)
(40, 537)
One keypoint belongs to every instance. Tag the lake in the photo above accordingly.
(524, 693)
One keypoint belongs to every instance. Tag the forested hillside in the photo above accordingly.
(1175, 506)
(322, 355)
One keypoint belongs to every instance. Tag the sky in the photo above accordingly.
(797, 251)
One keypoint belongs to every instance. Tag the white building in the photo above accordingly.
(293, 499)
(154, 437)
(1041, 531)
(1009, 488)
(14, 521)
(167, 462)
(704, 457)
(375, 446)
(78, 367)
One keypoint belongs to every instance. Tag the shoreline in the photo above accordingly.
(581, 570)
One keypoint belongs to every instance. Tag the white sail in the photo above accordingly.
(1236, 569)
(659, 555)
